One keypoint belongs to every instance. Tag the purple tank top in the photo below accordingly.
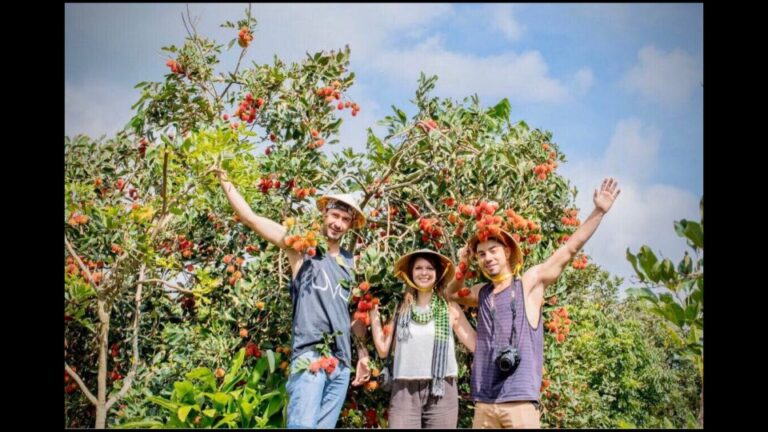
(488, 383)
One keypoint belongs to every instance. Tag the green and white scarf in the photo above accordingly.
(438, 310)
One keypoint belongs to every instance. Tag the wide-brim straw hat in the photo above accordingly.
(359, 220)
(515, 258)
(401, 265)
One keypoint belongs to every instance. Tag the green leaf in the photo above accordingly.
(164, 138)
(200, 372)
(667, 312)
(667, 298)
(501, 110)
(674, 335)
(698, 294)
(691, 312)
(633, 260)
(258, 370)
(694, 336)
(400, 114)
(686, 264)
(376, 143)
(679, 314)
(271, 394)
(642, 294)
(205, 375)
(235, 368)
(228, 419)
(695, 233)
(274, 406)
(647, 260)
(165, 403)
(181, 388)
(220, 400)
(227, 386)
(680, 227)
(183, 412)
(139, 102)
(666, 270)
(271, 360)
(247, 409)
(300, 365)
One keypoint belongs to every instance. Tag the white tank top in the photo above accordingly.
(413, 356)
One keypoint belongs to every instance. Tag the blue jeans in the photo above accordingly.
(315, 400)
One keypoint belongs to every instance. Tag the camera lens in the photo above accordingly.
(505, 364)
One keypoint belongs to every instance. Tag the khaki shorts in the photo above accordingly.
(507, 415)
(412, 407)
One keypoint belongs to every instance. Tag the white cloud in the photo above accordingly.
(373, 30)
(666, 77)
(615, 15)
(522, 77)
(503, 20)
(288, 30)
(644, 212)
(379, 35)
(582, 81)
(633, 149)
(293, 29)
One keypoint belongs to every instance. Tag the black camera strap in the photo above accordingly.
(512, 306)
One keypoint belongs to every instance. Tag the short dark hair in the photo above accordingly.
(336, 204)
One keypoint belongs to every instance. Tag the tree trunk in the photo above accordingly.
(101, 407)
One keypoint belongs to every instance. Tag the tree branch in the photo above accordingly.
(165, 179)
(178, 197)
(242, 54)
(417, 178)
(128, 381)
(80, 384)
(166, 283)
(80, 263)
(330, 188)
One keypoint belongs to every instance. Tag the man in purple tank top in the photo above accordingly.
(509, 354)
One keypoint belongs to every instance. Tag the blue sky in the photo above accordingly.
(619, 85)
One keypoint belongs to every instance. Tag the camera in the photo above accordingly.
(385, 379)
(507, 359)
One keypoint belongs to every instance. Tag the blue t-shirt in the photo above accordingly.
(321, 304)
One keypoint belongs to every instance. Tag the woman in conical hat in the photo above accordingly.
(425, 367)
